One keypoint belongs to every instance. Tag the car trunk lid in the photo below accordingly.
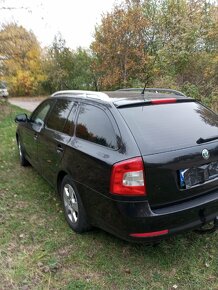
(177, 166)
(163, 173)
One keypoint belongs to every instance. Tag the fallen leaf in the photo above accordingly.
(40, 264)
(127, 271)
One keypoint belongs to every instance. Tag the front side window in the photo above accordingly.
(38, 116)
(59, 114)
(95, 126)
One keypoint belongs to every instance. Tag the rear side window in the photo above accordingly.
(94, 125)
(160, 128)
(59, 114)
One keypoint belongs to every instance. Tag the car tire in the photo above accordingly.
(23, 161)
(73, 207)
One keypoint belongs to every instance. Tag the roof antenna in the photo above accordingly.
(143, 91)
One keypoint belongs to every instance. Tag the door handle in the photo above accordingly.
(60, 149)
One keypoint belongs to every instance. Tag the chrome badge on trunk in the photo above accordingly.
(205, 154)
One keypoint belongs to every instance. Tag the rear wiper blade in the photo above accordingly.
(202, 140)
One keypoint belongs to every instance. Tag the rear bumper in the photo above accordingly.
(124, 219)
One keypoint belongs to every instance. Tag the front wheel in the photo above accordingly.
(23, 161)
(73, 207)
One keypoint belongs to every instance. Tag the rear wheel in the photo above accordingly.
(23, 161)
(73, 207)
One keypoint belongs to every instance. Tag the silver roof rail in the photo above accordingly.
(84, 94)
(161, 90)
(130, 89)
(154, 90)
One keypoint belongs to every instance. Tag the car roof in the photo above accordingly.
(125, 97)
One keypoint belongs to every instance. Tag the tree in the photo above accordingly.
(22, 59)
(67, 69)
(83, 77)
(56, 63)
(120, 55)
(153, 42)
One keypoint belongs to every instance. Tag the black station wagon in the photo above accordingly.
(140, 165)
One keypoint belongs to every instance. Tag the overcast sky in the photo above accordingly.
(74, 19)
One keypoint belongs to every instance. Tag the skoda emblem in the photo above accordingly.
(205, 154)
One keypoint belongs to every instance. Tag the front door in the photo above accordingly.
(32, 131)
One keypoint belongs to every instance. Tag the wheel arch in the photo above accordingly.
(17, 137)
(60, 177)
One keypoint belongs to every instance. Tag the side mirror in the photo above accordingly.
(22, 118)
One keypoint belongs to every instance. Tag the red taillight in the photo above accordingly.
(163, 101)
(150, 234)
(127, 177)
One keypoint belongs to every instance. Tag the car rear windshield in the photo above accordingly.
(2, 86)
(165, 127)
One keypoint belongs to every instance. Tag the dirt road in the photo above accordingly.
(26, 103)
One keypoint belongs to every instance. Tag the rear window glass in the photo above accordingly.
(160, 128)
(2, 86)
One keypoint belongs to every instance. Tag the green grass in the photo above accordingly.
(39, 251)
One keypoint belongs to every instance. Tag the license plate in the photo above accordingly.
(197, 175)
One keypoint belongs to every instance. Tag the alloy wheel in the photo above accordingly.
(70, 203)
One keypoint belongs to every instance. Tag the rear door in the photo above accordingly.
(90, 154)
(172, 139)
(94, 148)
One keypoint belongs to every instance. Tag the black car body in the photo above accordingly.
(140, 166)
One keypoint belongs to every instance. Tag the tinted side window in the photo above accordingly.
(94, 125)
(38, 116)
(59, 114)
(70, 123)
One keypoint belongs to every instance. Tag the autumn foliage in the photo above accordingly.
(167, 43)
(22, 66)
(158, 43)
(119, 47)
